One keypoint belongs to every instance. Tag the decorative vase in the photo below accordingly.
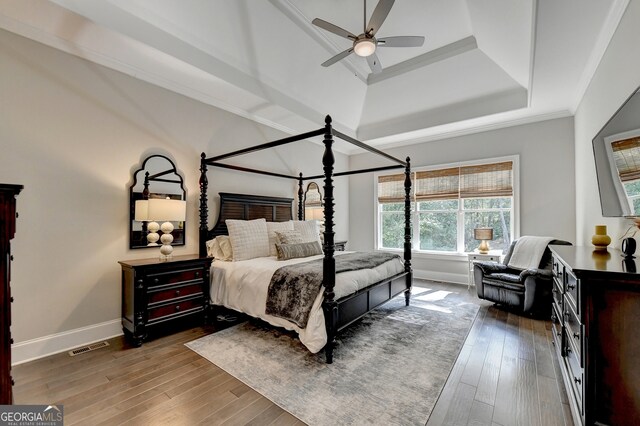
(601, 240)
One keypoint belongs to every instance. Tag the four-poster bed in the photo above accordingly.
(338, 312)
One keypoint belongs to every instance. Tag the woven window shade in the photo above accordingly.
(626, 154)
(487, 180)
(391, 189)
(440, 184)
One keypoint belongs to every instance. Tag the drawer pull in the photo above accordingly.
(177, 308)
(11, 299)
(11, 340)
(156, 281)
(555, 290)
(576, 336)
(558, 333)
(177, 292)
(567, 314)
(553, 317)
(12, 258)
(197, 274)
(553, 342)
(568, 348)
(578, 381)
(571, 286)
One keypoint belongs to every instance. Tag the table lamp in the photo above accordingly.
(141, 214)
(169, 211)
(483, 235)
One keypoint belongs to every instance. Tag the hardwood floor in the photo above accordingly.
(505, 375)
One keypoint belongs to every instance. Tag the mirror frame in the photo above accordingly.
(604, 173)
(157, 177)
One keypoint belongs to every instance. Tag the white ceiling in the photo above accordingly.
(484, 63)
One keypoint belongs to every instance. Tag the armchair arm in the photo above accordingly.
(536, 273)
(490, 267)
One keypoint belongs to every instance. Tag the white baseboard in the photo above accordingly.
(41, 347)
(447, 277)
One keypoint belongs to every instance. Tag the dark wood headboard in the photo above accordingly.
(248, 207)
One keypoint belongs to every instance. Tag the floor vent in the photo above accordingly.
(88, 348)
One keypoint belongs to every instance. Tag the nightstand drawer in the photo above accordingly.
(175, 276)
(174, 309)
(166, 293)
(573, 287)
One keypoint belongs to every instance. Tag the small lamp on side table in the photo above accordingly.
(169, 211)
(483, 235)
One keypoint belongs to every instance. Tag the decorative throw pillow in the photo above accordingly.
(309, 229)
(293, 251)
(249, 238)
(225, 250)
(288, 237)
(272, 228)
(212, 247)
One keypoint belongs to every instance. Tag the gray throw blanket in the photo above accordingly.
(294, 288)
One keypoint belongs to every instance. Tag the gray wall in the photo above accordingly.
(72, 133)
(547, 203)
(615, 79)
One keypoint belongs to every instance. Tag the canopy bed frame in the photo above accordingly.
(344, 311)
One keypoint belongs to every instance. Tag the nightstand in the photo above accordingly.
(340, 245)
(156, 293)
(492, 256)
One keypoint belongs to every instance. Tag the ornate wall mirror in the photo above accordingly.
(157, 178)
(313, 208)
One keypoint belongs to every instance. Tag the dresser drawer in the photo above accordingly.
(556, 329)
(174, 309)
(576, 376)
(574, 332)
(174, 276)
(169, 292)
(556, 291)
(572, 292)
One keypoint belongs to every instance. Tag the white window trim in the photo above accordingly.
(438, 255)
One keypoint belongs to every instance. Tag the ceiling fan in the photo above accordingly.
(366, 43)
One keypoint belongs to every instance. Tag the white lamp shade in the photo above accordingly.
(141, 213)
(167, 210)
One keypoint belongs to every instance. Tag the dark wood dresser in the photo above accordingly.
(8, 217)
(156, 293)
(596, 330)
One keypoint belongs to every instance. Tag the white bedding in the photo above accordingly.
(243, 286)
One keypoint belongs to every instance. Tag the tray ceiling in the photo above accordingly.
(483, 64)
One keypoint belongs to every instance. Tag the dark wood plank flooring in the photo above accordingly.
(506, 374)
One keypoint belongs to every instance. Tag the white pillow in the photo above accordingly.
(212, 247)
(225, 246)
(309, 229)
(249, 238)
(272, 228)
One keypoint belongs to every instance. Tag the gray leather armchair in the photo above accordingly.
(528, 290)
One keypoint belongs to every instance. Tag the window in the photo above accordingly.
(447, 204)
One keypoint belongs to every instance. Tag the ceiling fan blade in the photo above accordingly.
(374, 63)
(401, 41)
(379, 15)
(336, 58)
(333, 28)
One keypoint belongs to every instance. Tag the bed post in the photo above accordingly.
(329, 304)
(204, 211)
(300, 195)
(407, 231)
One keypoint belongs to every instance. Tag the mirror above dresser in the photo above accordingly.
(157, 178)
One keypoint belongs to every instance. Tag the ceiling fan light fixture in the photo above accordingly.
(364, 47)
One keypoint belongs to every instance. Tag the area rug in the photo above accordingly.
(388, 369)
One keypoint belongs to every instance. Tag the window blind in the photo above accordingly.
(626, 154)
(391, 189)
(442, 184)
(487, 180)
